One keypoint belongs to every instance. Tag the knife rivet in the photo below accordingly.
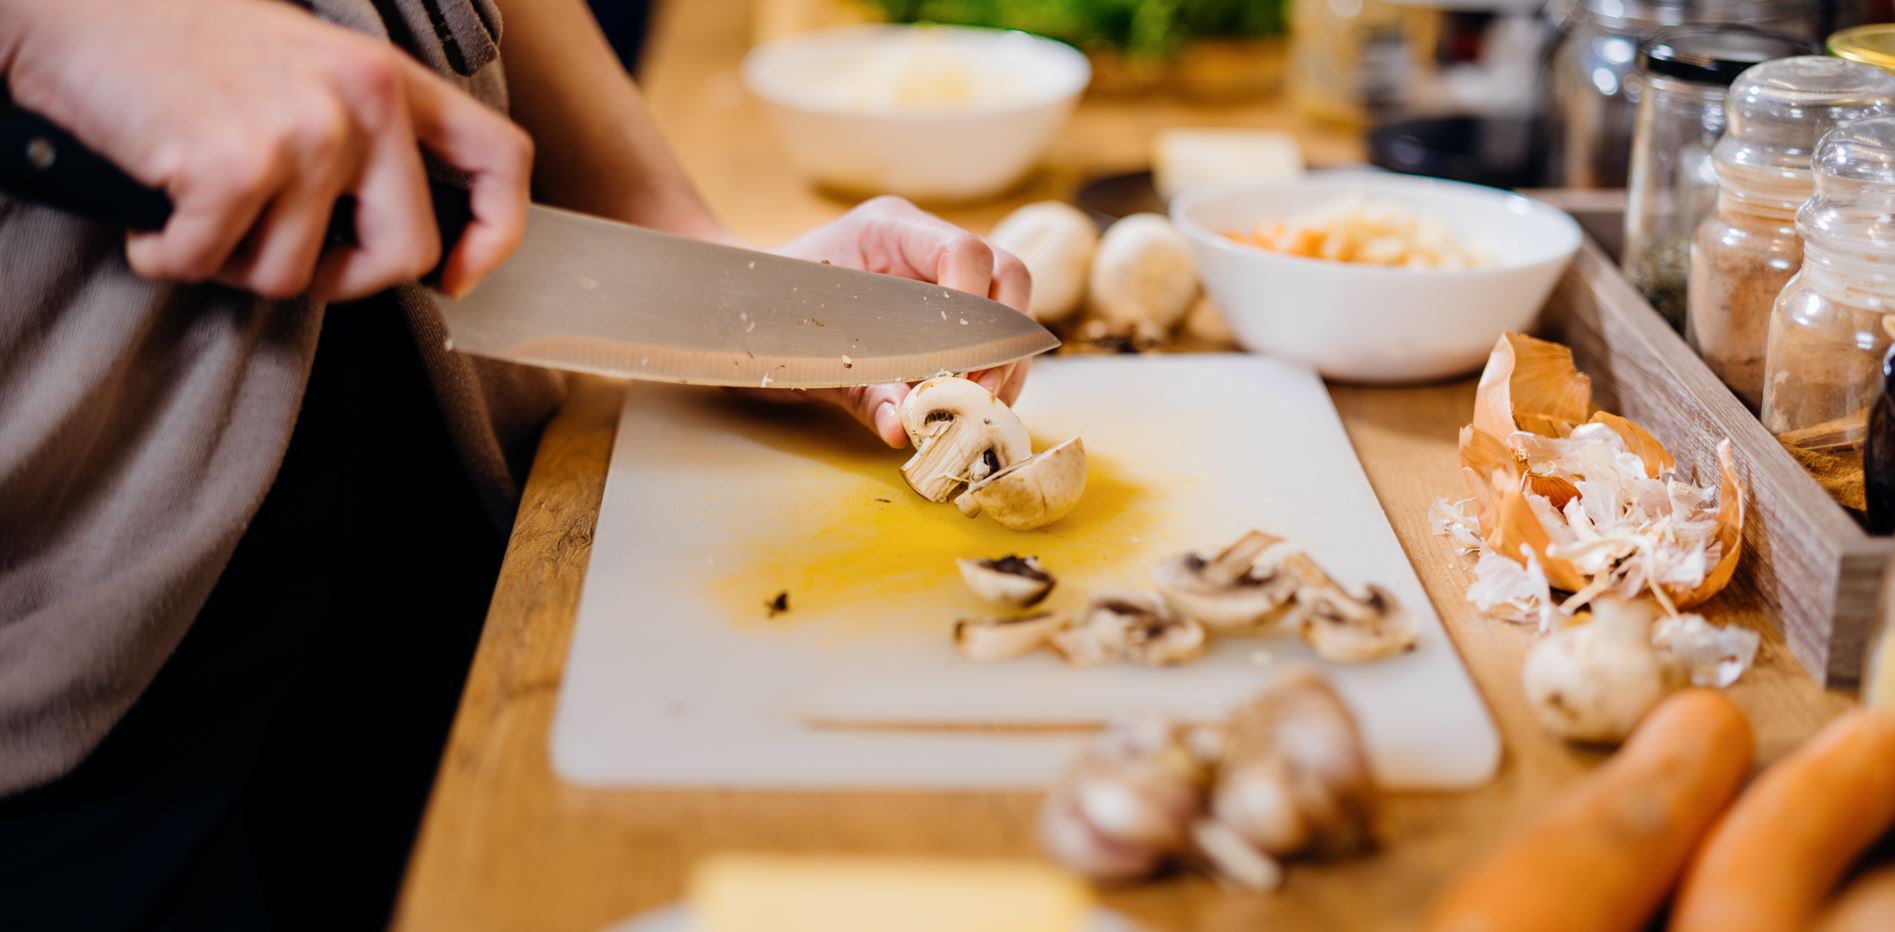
(40, 153)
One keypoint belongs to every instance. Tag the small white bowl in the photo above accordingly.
(1376, 324)
(829, 94)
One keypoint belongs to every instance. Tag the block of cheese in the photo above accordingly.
(801, 893)
(1191, 158)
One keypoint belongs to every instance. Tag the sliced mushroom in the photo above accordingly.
(1005, 638)
(1032, 493)
(1230, 590)
(1295, 776)
(962, 434)
(1341, 626)
(1015, 582)
(1130, 626)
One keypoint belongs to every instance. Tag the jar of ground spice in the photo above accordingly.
(1747, 249)
(1828, 334)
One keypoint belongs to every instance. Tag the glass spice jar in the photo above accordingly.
(1748, 248)
(1686, 73)
(1593, 73)
(1827, 332)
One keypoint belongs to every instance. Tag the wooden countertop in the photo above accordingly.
(506, 845)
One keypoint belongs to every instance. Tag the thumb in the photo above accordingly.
(878, 407)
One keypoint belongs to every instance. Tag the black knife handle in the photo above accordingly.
(44, 164)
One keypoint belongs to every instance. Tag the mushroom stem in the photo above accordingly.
(1237, 559)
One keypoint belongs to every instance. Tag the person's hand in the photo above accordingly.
(892, 236)
(255, 117)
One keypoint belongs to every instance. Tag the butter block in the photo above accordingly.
(791, 893)
(1191, 158)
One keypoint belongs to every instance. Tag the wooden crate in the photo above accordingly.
(1809, 564)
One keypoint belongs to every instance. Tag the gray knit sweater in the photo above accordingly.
(141, 424)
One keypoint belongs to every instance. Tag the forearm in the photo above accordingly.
(599, 150)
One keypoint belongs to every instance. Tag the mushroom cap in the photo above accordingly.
(1056, 241)
(1009, 581)
(1034, 492)
(1142, 271)
(961, 433)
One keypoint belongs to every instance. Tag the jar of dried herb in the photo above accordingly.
(1687, 73)
(1748, 248)
(1828, 333)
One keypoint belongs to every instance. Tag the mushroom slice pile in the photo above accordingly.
(1343, 627)
(1129, 626)
(1010, 581)
(1032, 493)
(962, 434)
(1295, 777)
(1233, 590)
(1005, 638)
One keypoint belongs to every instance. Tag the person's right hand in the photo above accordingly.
(255, 117)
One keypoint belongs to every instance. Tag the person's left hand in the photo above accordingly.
(893, 236)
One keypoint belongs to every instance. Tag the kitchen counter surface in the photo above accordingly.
(506, 845)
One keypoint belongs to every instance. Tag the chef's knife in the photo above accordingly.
(592, 295)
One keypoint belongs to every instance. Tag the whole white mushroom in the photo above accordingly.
(1142, 272)
(1593, 682)
(1056, 242)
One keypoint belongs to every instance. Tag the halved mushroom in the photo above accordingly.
(1235, 589)
(1004, 638)
(962, 434)
(1341, 626)
(1130, 626)
(1015, 582)
(1032, 493)
(1295, 776)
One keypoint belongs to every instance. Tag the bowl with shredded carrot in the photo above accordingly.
(1375, 277)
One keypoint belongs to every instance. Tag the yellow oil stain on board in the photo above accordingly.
(850, 541)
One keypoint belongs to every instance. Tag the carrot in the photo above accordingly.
(1603, 856)
(1867, 906)
(1777, 854)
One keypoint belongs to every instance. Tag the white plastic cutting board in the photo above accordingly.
(680, 676)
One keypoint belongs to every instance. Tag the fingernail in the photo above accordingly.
(887, 422)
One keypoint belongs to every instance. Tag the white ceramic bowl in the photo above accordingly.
(829, 94)
(1375, 324)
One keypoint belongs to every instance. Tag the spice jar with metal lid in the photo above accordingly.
(1747, 249)
(1593, 80)
(1686, 73)
(1827, 337)
(1873, 44)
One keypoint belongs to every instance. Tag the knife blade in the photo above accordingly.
(592, 295)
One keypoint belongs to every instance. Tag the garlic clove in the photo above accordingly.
(1032, 493)
(1071, 841)
(1233, 859)
(1011, 581)
(961, 434)
(1005, 638)
(1295, 775)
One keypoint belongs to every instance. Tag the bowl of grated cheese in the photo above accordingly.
(1374, 277)
(933, 113)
